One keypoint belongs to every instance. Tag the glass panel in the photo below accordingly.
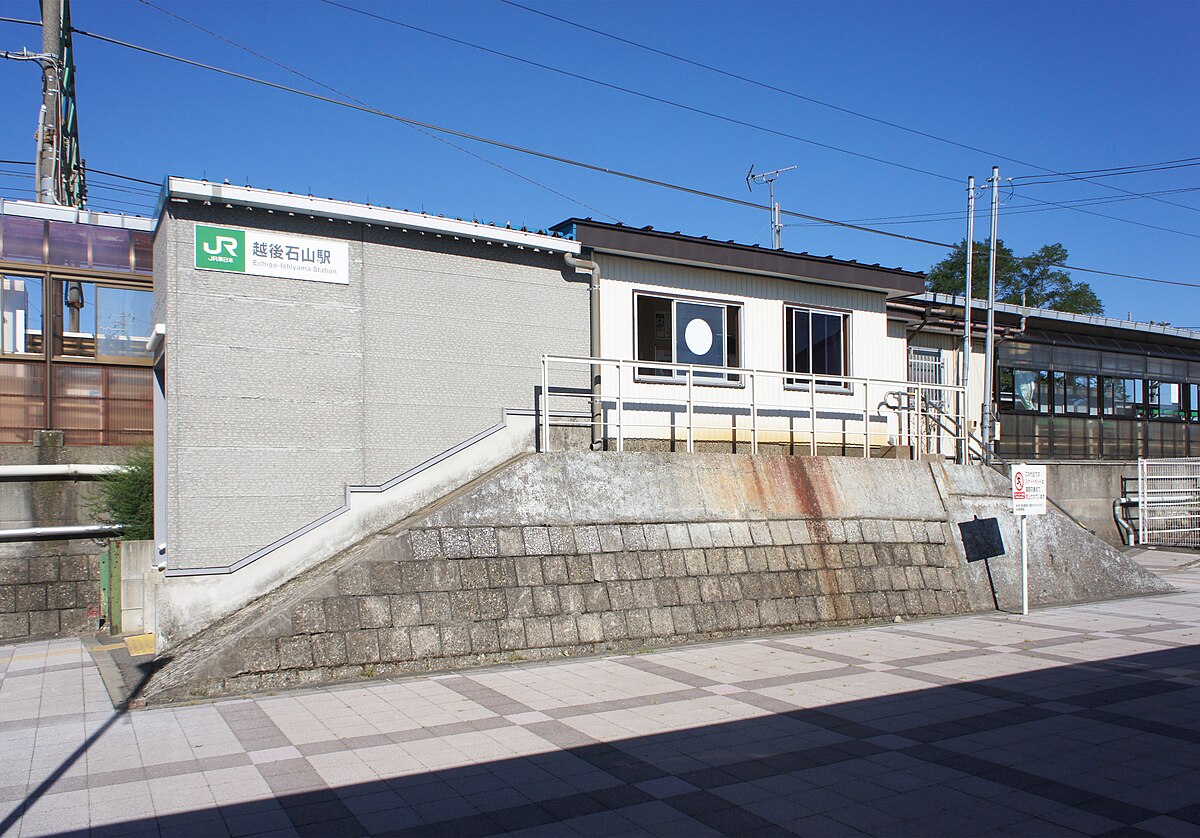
(1029, 390)
(78, 306)
(123, 322)
(827, 344)
(110, 248)
(21, 298)
(23, 239)
(800, 357)
(1077, 395)
(143, 253)
(68, 244)
(1164, 399)
(1122, 397)
(700, 335)
(129, 410)
(1007, 387)
(654, 331)
(1193, 391)
(22, 400)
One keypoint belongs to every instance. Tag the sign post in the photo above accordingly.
(1029, 498)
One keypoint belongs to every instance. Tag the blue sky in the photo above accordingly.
(1065, 86)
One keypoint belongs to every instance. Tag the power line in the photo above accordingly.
(810, 99)
(956, 215)
(647, 96)
(346, 95)
(1120, 169)
(570, 162)
(1104, 175)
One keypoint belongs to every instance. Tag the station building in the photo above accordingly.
(318, 370)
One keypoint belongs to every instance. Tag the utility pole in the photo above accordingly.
(990, 347)
(50, 118)
(769, 179)
(966, 350)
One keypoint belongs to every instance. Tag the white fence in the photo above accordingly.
(685, 405)
(1169, 502)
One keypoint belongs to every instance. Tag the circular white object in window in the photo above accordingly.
(698, 336)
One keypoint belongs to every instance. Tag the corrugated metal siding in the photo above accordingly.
(872, 354)
(763, 299)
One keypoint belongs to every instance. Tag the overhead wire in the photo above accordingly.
(647, 96)
(767, 86)
(346, 95)
(577, 163)
(729, 119)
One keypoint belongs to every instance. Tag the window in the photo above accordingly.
(21, 302)
(1075, 394)
(1164, 399)
(1123, 397)
(817, 343)
(100, 321)
(1024, 390)
(673, 331)
(1193, 391)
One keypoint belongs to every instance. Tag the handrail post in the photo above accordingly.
(691, 440)
(620, 407)
(545, 405)
(812, 416)
(753, 413)
(867, 419)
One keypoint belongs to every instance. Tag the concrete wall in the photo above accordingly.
(1087, 491)
(581, 552)
(282, 392)
(49, 588)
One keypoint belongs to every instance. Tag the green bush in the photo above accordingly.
(127, 496)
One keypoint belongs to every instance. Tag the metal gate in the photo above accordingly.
(925, 366)
(1169, 502)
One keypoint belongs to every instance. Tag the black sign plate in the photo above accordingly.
(981, 539)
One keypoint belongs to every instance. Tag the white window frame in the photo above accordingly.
(681, 377)
(800, 380)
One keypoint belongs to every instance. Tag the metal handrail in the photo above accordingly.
(800, 392)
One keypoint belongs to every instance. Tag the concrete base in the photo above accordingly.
(559, 554)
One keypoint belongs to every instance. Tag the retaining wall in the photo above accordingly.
(583, 552)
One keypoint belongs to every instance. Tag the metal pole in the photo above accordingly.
(966, 351)
(51, 130)
(753, 414)
(1024, 565)
(690, 436)
(545, 417)
(990, 346)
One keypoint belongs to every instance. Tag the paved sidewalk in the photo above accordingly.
(1079, 720)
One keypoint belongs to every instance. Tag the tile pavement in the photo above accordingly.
(1075, 720)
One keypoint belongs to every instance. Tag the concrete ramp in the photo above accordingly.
(581, 552)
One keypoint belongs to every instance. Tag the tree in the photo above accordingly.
(1033, 280)
(127, 496)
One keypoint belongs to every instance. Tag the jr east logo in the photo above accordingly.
(220, 249)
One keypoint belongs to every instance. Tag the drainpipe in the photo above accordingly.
(582, 265)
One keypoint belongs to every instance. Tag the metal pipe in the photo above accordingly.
(85, 471)
(60, 533)
(593, 268)
(968, 288)
(990, 346)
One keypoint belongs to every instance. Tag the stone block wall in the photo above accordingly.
(456, 595)
(49, 590)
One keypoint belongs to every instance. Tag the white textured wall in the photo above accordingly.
(281, 392)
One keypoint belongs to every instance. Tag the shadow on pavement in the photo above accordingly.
(1095, 748)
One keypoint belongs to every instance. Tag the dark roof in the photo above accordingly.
(649, 243)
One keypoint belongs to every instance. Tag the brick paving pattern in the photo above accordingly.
(1075, 720)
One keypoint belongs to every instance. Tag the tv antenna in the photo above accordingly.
(769, 179)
